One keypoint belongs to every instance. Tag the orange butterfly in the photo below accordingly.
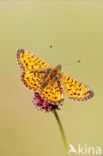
(49, 81)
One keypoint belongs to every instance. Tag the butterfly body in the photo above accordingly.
(49, 81)
(51, 76)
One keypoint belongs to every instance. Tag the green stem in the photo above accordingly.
(62, 133)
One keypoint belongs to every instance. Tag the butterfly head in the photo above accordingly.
(59, 67)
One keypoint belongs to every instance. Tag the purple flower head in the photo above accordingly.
(42, 104)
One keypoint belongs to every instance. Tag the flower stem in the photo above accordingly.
(62, 133)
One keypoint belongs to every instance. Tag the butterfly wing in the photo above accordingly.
(53, 92)
(75, 89)
(30, 62)
(33, 80)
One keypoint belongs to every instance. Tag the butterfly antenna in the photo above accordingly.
(71, 62)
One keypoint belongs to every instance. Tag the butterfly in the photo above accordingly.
(50, 81)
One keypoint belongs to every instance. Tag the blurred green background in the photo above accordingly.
(75, 29)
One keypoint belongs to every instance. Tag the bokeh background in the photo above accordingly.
(75, 29)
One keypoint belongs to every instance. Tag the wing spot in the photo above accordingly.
(39, 61)
(80, 84)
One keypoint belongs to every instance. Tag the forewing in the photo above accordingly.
(53, 92)
(31, 62)
(33, 80)
(75, 89)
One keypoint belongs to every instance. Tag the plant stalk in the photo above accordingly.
(62, 133)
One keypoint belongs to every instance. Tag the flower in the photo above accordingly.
(42, 104)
